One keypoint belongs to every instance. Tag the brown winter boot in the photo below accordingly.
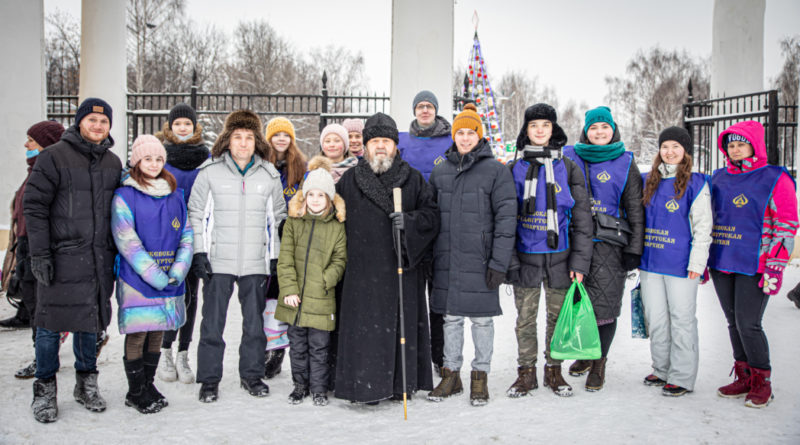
(449, 386)
(760, 389)
(478, 388)
(580, 367)
(555, 381)
(741, 383)
(526, 381)
(597, 375)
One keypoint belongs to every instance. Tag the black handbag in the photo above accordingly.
(607, 228)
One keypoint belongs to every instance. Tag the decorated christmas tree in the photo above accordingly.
(478, 89)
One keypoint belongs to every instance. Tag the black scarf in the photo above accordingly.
(186, 157)
(440, 127)
(378, 189)
(538, 156)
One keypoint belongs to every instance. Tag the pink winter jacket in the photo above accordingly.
(780, 218)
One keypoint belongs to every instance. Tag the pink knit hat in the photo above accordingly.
(338, 130)
(146, 145)
(353, 125)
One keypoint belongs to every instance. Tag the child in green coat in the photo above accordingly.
(311, 263)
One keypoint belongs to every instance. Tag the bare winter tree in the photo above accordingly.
(649, 97)
(147, 20)
(786, 82)
(62, 53)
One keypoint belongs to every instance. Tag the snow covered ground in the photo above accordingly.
(625, 411)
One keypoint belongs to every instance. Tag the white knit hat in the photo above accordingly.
(319, 179)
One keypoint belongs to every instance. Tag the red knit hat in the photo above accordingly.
(46, 133)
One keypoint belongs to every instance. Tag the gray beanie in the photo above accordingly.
(425, 96)
(319, 179)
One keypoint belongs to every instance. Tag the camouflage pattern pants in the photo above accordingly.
(527, 301)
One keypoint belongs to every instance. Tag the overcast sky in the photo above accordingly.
(570, 45)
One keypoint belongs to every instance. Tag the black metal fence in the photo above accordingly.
(309, 113)
(706, 119)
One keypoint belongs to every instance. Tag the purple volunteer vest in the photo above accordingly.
(159, 224)
(668, 233)
(739, 202)
(608, 180)
(423, 153)
(532, 229)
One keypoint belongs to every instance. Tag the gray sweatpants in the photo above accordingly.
(482, 338)
(669, 308)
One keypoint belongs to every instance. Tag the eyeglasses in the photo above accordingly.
(425, 107)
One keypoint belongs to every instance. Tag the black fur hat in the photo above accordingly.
(380, 125)
(541, 111)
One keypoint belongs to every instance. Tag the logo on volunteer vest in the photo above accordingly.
(558, 188)
(603, 176)
(290, 191)
(438, 160)
(176, 224)
(672, 205)
(740, 201)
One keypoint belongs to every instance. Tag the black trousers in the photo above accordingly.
(192, 284)
(309, 357)
(743, 304)
(211, 348)
(437, 332)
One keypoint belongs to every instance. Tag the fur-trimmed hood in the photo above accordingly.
(247, 120)
(297, 205)
(167, 136)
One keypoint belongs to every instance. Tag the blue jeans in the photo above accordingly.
(482, 339)
(84, 346)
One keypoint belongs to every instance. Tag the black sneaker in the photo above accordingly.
(15, 323)
(255, 386)
(671, 390)
(27, 372)
(273, 362)
(320, 399)
(299, 393)
(209, 392)
(652, 380)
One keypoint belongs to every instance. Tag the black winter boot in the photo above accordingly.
(597, 376)
(209, 392)
(26, 372)
(86, 391)
(580, 367)
(138, 397)
(299, 393)
(273, 362)
(150, 365)
(44, 406)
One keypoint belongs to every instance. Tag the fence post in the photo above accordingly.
(193, 97)
(772, 128)
(323, 121)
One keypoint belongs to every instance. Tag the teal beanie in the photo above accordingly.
(599, 114)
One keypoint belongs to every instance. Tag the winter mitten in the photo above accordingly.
(273, 267)
(631, 261)
(771, 280)
(494, 278)
(42, 268)
(201, 266)
(397, 220)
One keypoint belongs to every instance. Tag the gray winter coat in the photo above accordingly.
(478, 207)
(236, 217)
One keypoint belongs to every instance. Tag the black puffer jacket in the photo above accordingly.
(478, 207)
(531, 269)
(68, 211)
(605, 283)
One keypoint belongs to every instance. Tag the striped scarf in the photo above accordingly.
(536, 157)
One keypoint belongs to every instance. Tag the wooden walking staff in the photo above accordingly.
(398, 207)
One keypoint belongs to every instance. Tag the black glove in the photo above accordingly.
(494, 278)
(42, 268)
(397, 220)
(631, 261)
(201, 266)
(273, 266)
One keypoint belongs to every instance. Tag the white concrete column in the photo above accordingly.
(103, 64)
(22, 90)
(422, 56)
(737, 49)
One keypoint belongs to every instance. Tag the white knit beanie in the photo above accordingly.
(319, 179)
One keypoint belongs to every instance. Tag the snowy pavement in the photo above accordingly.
(625, 411)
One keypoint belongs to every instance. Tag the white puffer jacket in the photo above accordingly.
(235, 216)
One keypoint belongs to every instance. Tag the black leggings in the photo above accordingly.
(743, 304)
(607, 332)
(192, 283)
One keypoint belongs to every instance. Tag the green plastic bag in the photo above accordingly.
(576, 336)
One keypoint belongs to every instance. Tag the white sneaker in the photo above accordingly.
(166, 366)
(185, 374)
